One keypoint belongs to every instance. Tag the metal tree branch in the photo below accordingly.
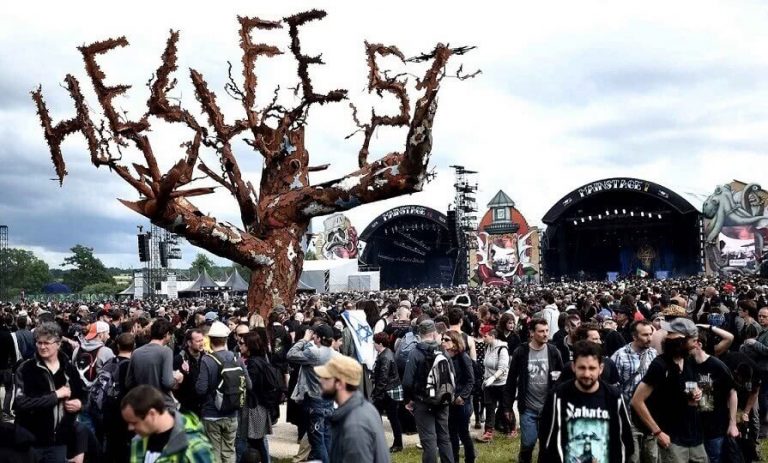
(276, 218)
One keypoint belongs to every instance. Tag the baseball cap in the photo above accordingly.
(95, 328)
(684, 326)
(211, 316)
(323, 331)
(218, 330)
(342, 368)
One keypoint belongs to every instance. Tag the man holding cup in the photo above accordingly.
(666, 400)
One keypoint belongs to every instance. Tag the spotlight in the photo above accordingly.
(632, 213)
(575, 222)
(582, 220)
(599, 216)
(590, 218)
(659, 216)
(615, 211)
(642, 214)
(623, 211)
(607, 213)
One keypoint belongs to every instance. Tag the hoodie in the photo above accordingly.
(94, 345)
(574, 423)
(357, 433)
(187, 444)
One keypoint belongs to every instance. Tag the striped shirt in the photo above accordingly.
(631, 367)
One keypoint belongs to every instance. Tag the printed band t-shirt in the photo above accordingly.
(586, 423)
(538, 378)
(715, 382)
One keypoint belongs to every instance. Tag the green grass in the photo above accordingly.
(500, 450)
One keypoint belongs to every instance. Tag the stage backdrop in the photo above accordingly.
(736, 228)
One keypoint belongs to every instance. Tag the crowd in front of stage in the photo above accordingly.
(641, 371)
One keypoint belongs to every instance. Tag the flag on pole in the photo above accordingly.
(642, 273)
(362, 334)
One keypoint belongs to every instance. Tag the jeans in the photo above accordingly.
(52, 454)
(432, 424)
(493, 398)
(529, 429)
(319, 431)
(458, 427)
(222, 434)
(679, 454)
(714, 448)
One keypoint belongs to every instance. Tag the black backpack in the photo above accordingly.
(271, 392)
(230, 392)
(85, 362)
(106, 389)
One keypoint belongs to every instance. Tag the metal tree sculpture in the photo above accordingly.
(276, 220)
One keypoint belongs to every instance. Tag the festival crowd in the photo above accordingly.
(640, 371)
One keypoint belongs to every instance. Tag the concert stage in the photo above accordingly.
(622, 225)
(411, 246)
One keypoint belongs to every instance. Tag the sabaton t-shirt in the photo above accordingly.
(586, 422)
(538, 376)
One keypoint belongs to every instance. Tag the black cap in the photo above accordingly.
(323, 331)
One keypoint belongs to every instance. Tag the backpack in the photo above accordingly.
(85, 362)
(230, 392)
(272, 391)
(407, 344)
(440, 380)
(106, 389)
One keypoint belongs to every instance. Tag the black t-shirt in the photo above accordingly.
(587, 425)
(157, 442)
(668, 402)
(734, 361)
(716, 383)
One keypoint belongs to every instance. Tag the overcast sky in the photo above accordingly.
(570, 92)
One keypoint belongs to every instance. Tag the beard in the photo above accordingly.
(586, 383)
(328, 395)
(674, 348)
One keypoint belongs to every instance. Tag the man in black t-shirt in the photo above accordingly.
(666, 400)
(718, 404)
(585, 419)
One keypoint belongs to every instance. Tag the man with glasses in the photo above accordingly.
(49, 394)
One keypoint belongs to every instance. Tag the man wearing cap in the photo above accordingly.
(314, 349)
(357, 434)
(666, 400)
(431, 421)
(220, 427)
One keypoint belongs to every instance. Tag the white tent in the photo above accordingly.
(326, 276)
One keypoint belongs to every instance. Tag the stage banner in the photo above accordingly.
(612, 276)
(362, 335)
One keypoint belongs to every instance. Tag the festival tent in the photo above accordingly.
(327, 275)
(236, 283)
(203, 284)
(56, 288)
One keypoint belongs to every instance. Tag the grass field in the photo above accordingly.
(501, 450)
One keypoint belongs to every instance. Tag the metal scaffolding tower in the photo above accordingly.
(465, 209)
(156, 249)
(3, 260)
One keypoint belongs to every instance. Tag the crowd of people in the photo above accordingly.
(641, 371)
